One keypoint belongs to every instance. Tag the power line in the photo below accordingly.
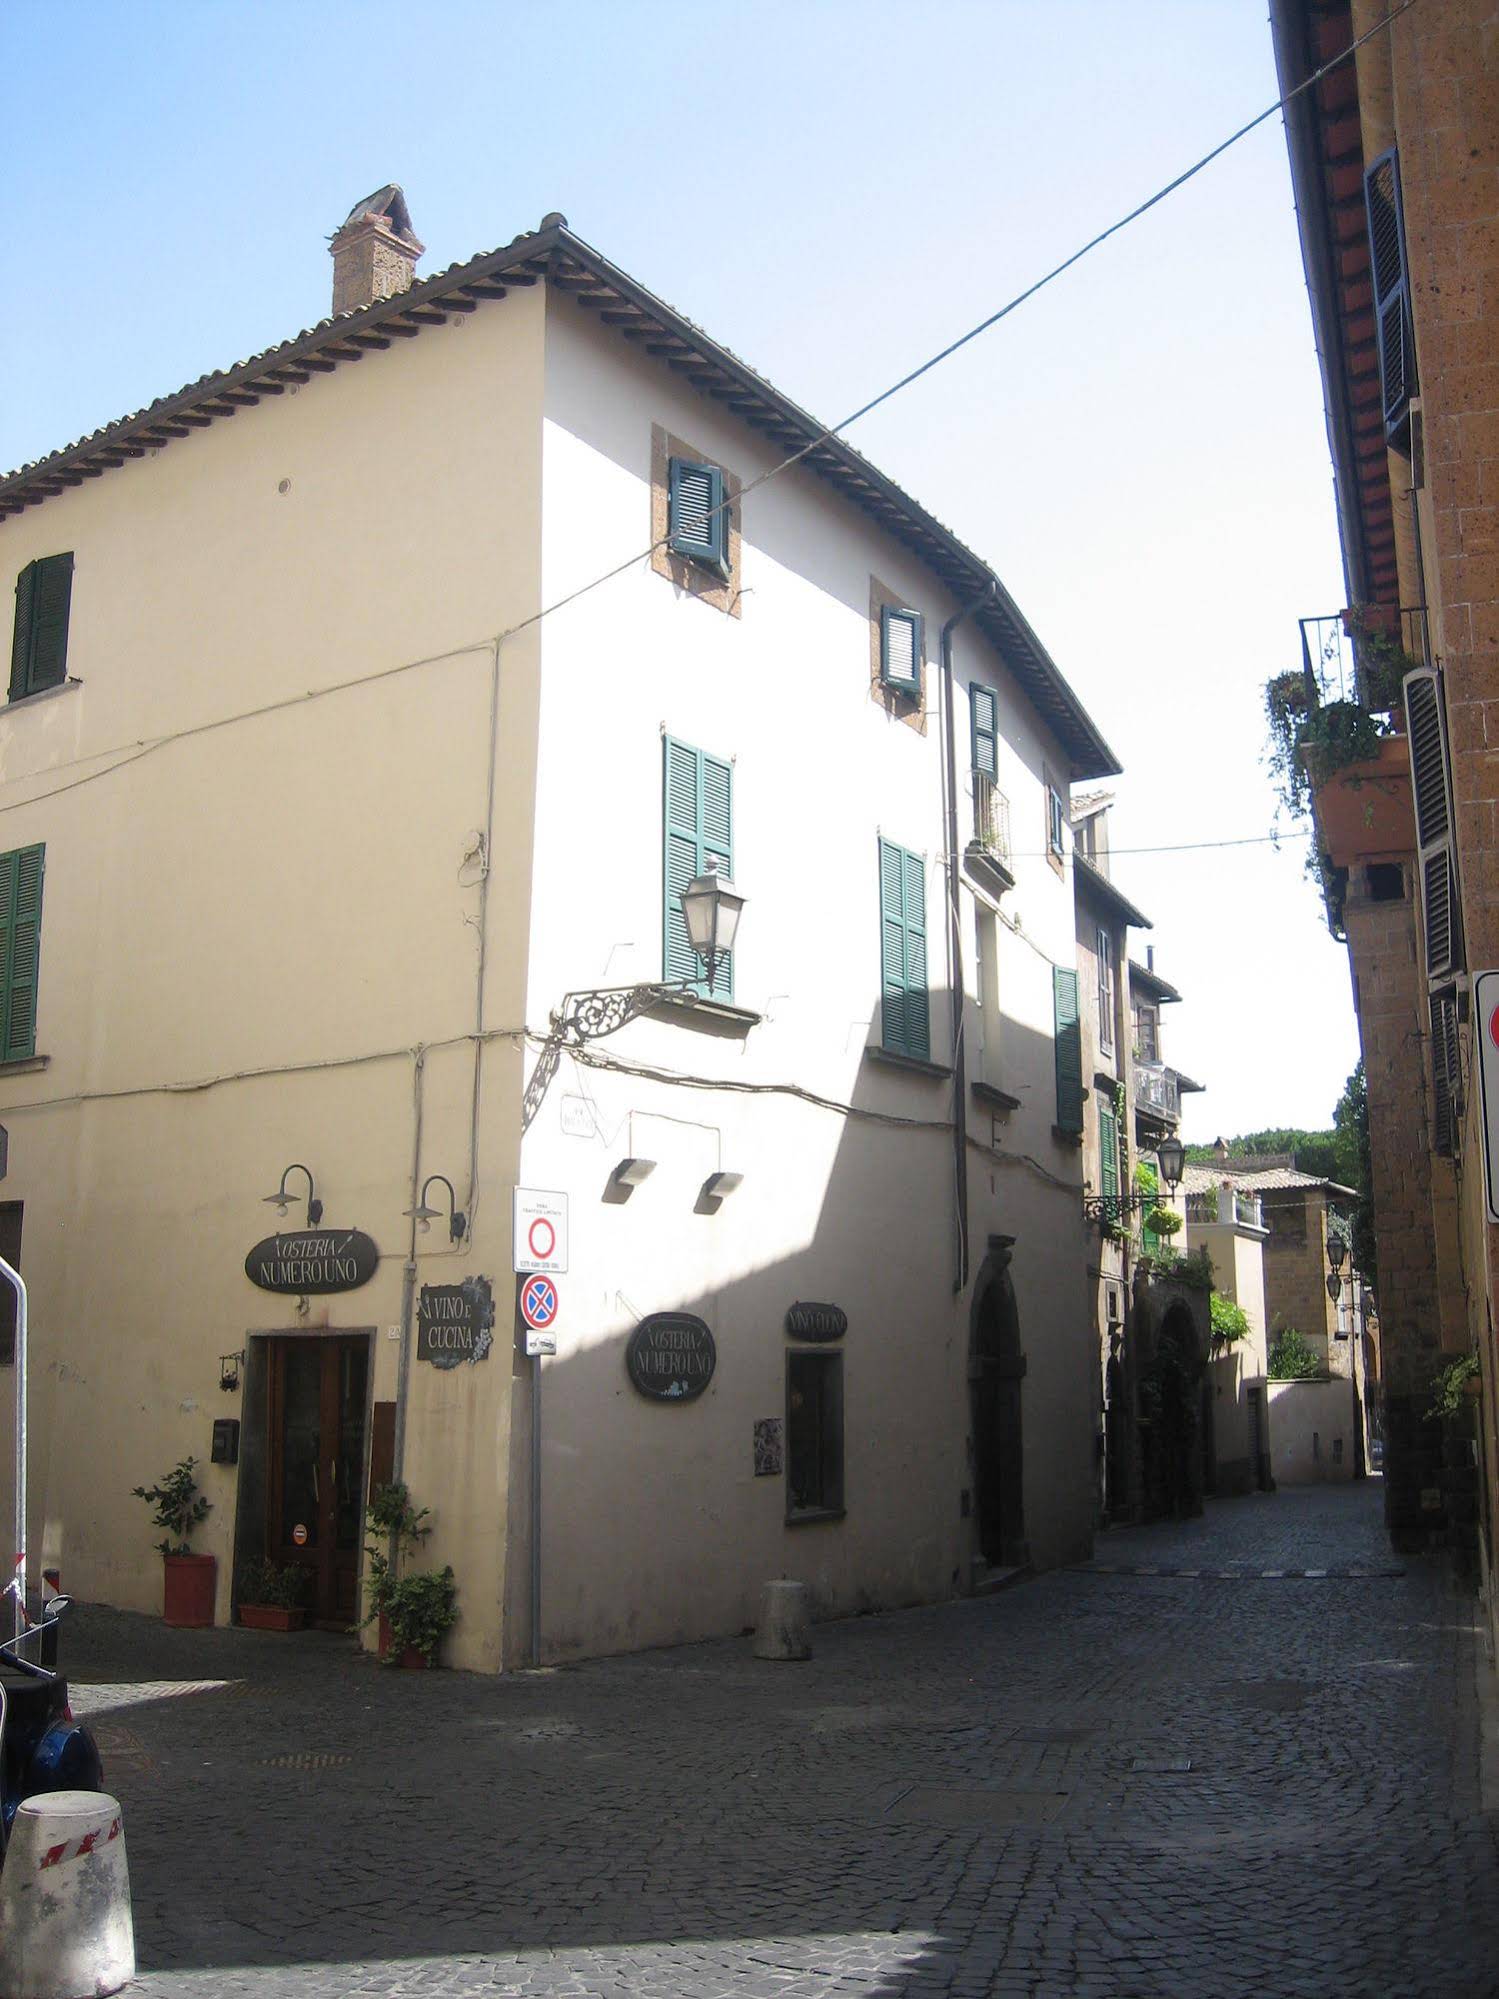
(128, 753)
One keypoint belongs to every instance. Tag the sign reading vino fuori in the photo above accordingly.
(671, 1356)
(454, 1321)
(816, 1322)
(310, 1262)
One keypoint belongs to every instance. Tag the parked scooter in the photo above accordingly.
(42, 1748)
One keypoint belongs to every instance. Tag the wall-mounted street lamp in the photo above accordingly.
(712, 909)
(425, 1216)
(281, 1200)
(1110, 1207)
(1337, 1249)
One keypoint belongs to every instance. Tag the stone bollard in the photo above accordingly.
(785, 1630)
(65, 1926)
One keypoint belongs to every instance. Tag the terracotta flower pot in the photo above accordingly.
(272, 1616)
(188, 1590)
(412, 1658)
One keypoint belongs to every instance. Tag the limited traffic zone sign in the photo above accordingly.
(539, 1231)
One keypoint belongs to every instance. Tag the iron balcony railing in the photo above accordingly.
(1156, 1089)
(1349, 657)
(991, 818)
(1214, 1204)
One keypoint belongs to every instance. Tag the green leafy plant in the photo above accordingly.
(1449, 1390)
(1194, 1270)
(392, 1514)
(417, 1608)
(1310, 738)
(280, 1585)
(180, 1507)
(1230, 1322)
(1291, 1359)
(1163, 1221)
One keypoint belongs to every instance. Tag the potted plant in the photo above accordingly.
(1163, 1221)
(270, 1596)
(190, 1580)
(412, 1611)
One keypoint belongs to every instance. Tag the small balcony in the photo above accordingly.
(1360, 657)
(1157, 1092)
(989, 850)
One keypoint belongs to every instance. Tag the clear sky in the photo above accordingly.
(834, 189)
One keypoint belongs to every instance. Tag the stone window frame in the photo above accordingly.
(913, 708)
(695, 579)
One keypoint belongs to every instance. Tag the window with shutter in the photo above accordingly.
(1105, 992)
(20, 947)
(698, 520)
(905, 1017)
(1069, 1050)
(1108, 1158)
(39, 646)
(901, 649)
(984, 708)
(1446, 1071)
(1392, 312)
(1431, 782)
(698, 827)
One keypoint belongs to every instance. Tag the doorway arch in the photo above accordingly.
(996, 1372)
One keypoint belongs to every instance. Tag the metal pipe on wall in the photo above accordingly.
(18, 1578)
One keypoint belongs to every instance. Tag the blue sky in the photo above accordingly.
(833, 190)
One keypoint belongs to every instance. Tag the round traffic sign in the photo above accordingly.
(542, 1238)
(538, 1302)
(1494, 1027)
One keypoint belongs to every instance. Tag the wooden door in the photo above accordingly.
(315, 1502)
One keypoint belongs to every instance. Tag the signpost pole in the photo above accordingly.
(13, 1279)
(536, 1509)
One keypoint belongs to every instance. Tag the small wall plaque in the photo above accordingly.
(454, 1322)
(816, 1322)
(769, 1458)
(671, 1356)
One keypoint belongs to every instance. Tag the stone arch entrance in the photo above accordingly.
(996, 1371)
(1171, 1416)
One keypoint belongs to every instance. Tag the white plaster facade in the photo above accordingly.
(286, 899)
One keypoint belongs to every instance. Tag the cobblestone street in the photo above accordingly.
(1103, 1782)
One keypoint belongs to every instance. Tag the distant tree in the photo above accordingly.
(1351, 1138)
(1313, 1151)
(1291, 1359)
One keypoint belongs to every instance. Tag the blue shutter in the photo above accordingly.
(1069, 1048)
(900, 649)
(984, 708)
(20, 946)
(905, 1027)
(698, 825)
(697, 520)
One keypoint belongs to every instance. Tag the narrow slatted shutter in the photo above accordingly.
(900, 649)
(698, 519)
(985, 711)
(892, 949)
(918, 1021)
(20, 650)
(49, 630)
(698, 826)
(1069, 1050)
(1108, 1155)
(1431, 782)
(20, 945)
(1397, 364)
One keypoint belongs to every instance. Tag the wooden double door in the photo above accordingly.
(316, 1406)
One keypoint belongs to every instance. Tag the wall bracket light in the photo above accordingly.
(281, 1200)
(425, 1216)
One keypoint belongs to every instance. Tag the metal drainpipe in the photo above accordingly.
(955, 941)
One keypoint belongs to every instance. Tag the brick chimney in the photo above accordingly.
(374, 252)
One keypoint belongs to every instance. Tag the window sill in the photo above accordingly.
(1072, 1138)
(43, 693)
(25, 1065)
(707, 1016)
(811, 1516)
(997, 1100)
(986, 867)
(888, 1058)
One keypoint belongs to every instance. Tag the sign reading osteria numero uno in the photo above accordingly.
(453, 1322)
(313, 1261)
(816, 1322)
(671, 1356)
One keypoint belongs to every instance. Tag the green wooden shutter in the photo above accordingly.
(1108, 1153)
(900, 649)
(697, 518)
(698, 826)
(39, 649)
(905, 1023)
(984, 708)
(1069, 1044)
(20, 945)
(20, 650)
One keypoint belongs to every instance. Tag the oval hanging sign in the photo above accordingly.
(310, 1262)
(816, 1322)
(671, 1356)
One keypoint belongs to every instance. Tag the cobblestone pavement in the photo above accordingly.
(1124, 1785)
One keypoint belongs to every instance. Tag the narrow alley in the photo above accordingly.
(1201, 1766)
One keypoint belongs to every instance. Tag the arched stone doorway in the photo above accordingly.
(996, 1372)
(1171, 1416)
